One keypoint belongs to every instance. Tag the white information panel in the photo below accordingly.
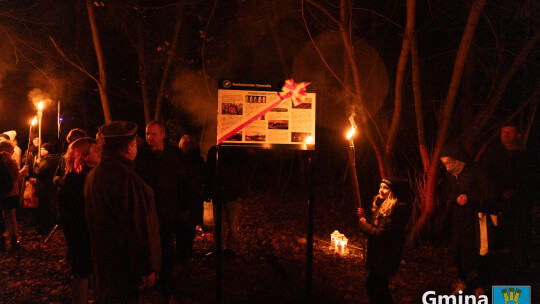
(254, 114)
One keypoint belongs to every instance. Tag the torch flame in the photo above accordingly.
(34, 121)
(40, 105)
(309, 140)
(351, 132)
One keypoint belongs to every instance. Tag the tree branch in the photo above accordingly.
(73, 63)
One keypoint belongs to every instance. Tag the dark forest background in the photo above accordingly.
(162, 59)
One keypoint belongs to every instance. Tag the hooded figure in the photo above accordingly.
(469, 192)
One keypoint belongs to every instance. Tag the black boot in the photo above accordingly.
(2, 243)
(14, 243)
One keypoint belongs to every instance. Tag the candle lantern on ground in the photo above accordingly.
(343, 249)
(336, 242)
(333, 236)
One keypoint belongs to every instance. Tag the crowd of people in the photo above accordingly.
(129, 208)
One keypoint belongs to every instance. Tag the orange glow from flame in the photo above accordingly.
(351, 133)
(34, 121)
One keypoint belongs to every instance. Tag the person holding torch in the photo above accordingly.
(385, 231)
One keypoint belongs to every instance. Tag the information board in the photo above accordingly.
(255, 114)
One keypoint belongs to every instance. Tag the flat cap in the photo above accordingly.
(118, 129)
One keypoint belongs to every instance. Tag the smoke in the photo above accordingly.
(36, 96)
(190, 95)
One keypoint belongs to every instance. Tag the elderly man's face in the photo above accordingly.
(510, 135)
(154, 136)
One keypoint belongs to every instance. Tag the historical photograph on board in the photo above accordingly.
(255, 99)
(255, 136)
(278, 124)
(232, 108)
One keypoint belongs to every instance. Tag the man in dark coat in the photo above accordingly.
(122, 220)
(514, 172)
(469, 192)
(162, 167)
(195, 171)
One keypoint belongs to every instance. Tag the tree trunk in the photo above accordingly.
(101, 63)
(442, 134)
(400, 75)
(272, 19)
(142, 71)
(418, 104)
(168, 65)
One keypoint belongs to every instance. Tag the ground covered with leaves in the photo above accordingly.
(270, 266)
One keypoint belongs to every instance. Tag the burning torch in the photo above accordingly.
(32, 124)
(40, 116)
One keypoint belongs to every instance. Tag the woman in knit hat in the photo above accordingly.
(391, 210)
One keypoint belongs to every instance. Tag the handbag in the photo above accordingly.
(30, 199)
(208, 214)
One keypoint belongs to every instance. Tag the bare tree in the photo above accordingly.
(428, 190)
(102, 83)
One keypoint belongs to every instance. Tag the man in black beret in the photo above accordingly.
(122, 220)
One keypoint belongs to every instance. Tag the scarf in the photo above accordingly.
(457, 168)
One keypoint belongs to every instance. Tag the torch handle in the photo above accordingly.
(354, 178)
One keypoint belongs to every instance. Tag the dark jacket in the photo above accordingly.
(28, 159)
(11, 165)
(473, 182)
(60, 170)
(123, 226)
(72, 207)
(386, 238)
(232, 174)
(71, 197)
(195, 172)
(164, 171)
(6, 181)
(44, 172)
(512, 170)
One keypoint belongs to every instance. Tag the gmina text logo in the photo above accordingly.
(431, 297)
